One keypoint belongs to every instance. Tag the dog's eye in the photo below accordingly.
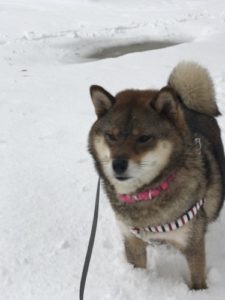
(110, 137)
(144, 138)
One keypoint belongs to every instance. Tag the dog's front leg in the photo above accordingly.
(135, 250)
(196, 260)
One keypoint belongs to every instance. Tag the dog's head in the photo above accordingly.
(137, 135)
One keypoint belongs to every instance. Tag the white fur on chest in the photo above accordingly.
(178, 237)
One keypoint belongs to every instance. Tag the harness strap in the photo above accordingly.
(180, 222)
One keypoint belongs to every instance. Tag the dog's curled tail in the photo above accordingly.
(195, 87)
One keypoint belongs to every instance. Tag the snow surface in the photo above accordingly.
(47, 177)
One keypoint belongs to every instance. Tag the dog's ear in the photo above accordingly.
(166, 103)
(101, 99)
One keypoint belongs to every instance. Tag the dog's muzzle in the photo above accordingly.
(120, 166)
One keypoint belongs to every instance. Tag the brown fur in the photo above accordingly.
(136, 252)
(171, 127)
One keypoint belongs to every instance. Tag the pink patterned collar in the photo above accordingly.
(147, 194)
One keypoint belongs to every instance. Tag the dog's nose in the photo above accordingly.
(120, 165)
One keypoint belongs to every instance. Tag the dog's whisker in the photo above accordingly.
(103, 161)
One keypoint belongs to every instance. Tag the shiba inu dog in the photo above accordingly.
(161, 159)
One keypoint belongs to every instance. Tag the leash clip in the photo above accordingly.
(198, 144)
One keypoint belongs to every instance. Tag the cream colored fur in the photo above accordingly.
(195, 87)
(154, 161)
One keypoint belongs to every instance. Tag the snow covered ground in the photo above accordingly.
(48, 59)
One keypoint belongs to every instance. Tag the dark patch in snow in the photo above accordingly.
(103, 52)
(87, 50)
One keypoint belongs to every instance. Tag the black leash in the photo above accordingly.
(90, 244)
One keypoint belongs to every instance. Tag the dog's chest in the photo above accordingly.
(178, 237)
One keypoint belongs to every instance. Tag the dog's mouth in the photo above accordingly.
(122, 178)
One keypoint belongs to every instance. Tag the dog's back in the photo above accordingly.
(195, 90)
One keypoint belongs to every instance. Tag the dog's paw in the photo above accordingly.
(199, 286)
